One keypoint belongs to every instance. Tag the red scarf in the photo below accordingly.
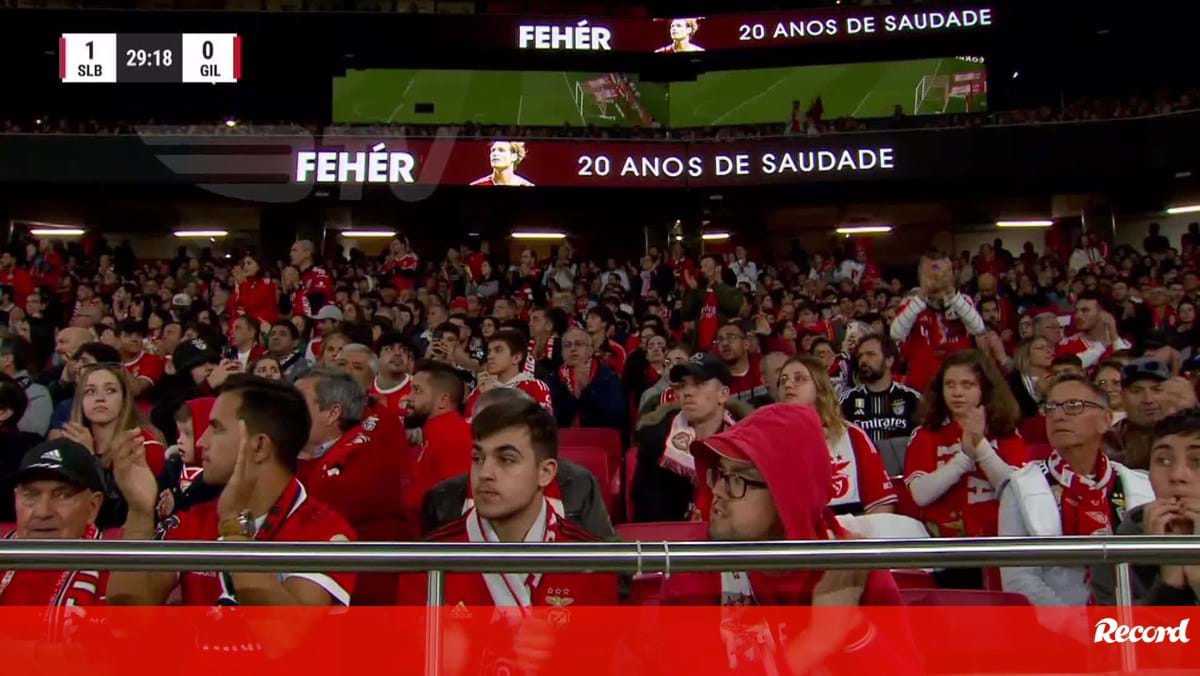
(531, 355)
(65, 591)
(706, 331)
(567, 374)
(1085, 504)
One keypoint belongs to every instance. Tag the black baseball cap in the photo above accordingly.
(1144, 369)
(195, 352)
(60, 460)
(702, 366)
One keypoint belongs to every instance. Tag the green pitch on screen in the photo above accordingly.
(552, 98)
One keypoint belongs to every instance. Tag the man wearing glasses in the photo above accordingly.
(1077, 490)
(734, 347)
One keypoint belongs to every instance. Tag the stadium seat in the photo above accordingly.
(6, 528)
(961, 597)
(595, 460)
(893, 451)
(602, 437)
(1039, 451)
(663, 531)
(914, 579)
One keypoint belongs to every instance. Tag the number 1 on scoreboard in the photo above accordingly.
(87, 57)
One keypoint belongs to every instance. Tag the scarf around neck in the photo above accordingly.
(1085, 504)
(514, 589)
(677, 454)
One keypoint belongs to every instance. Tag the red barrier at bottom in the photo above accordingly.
(581, 641)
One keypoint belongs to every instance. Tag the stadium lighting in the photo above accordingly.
(231, 123)
(368, 233)
(1187, 209)
(864, 230)
(1031, 223)
(714, 236)
(521, 234)
(196, 234)
(56, 232)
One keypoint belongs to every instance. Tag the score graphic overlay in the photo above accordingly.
(150, 57)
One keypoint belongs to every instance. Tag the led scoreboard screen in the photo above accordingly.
(150, 57)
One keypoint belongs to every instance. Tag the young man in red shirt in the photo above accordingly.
(600, 320)
(514, 460)
(505, 357)
(393, 384)
(1096, 336)
(58, 497)
(144, 369)
(256, 430)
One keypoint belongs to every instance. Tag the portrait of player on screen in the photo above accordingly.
(504, 157)
(682, 32)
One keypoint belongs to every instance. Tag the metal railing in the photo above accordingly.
(616, 557)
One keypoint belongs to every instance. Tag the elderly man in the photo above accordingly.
(1077, 490)
(1144, 400)
(586, 393)
(58, 497)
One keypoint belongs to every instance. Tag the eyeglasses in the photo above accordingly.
(1072, 407)
(736, 485)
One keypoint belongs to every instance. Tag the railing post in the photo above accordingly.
(1123, 592)
(433, 623)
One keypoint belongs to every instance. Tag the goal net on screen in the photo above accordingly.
(598, 98)
(934, 93)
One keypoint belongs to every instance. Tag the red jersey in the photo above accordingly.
(971, 507)
(257, 299)
(445, 452)
(860, 480)
(394, 399)
(362, 476)
(926, 336)
(1090, 352)
(145, 366)
(313, 282)
(298, 518)
(20, 282)
(54, 587)
(156, 452)
(749, 384)
(402, 270)
(534, 387)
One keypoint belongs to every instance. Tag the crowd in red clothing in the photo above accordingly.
(440, 397)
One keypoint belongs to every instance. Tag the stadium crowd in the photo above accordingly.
(469, 398)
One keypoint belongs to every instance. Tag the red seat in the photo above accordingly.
(595, 460)
(6, 528)
(914, 579)
(1039, 451)
(906, 506)
(663, 531)
(961, 597)
(602, 437)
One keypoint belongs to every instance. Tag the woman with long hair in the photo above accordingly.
(1034, 357)
(255, 294)
(965, 449)
(266, 367)
(860, 481)
(103, 408)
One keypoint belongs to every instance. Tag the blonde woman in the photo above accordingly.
(860, 481)
(103, 409)
(504, 157)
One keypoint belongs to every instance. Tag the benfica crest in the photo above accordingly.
(898, 407)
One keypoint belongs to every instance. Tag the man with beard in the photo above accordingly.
(882, 407)
(393, 384)
(437, 395)
(733, 345)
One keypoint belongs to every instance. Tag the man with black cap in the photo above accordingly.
(665, 481)
(1143, 398)
(58, 497)
(199, 372)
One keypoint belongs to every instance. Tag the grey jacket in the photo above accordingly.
(1148, 588)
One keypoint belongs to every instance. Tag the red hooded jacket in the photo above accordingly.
(786, 443)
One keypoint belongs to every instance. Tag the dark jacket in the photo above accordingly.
(582, 498)
(174, 391)
(601, 404)
(659, 494)
(1148, 588)
(13, 446)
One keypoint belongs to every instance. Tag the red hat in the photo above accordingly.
(459, 303)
